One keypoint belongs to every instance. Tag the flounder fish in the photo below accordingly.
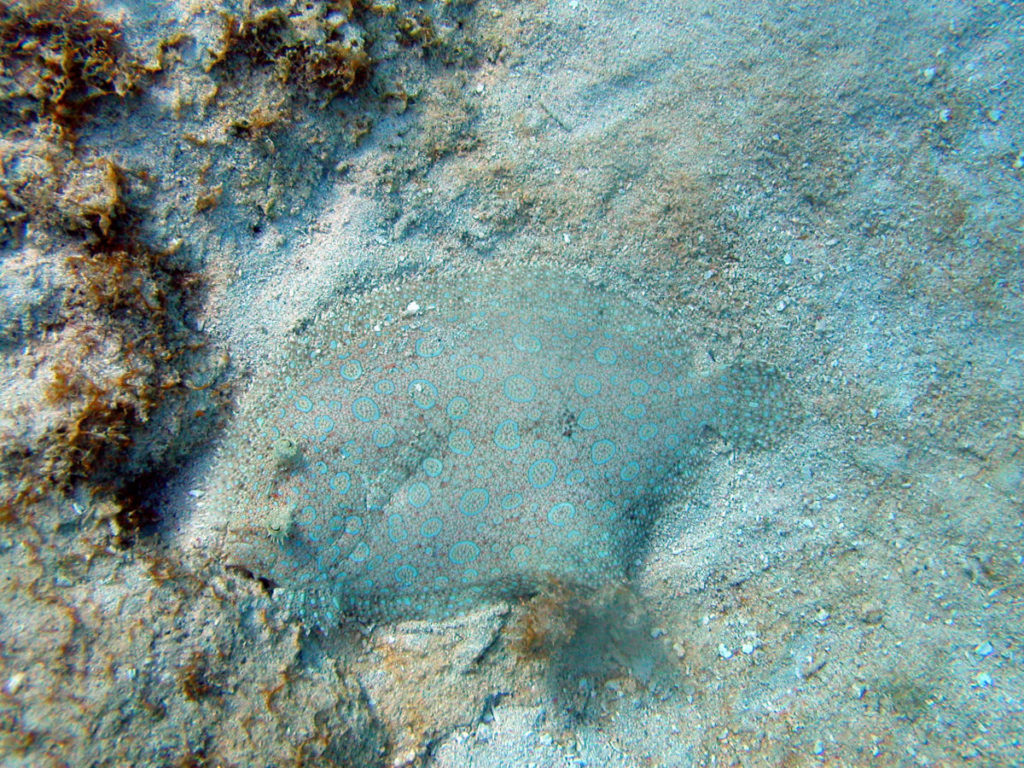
(460, 438)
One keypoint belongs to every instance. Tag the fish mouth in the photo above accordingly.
(267, 585)
(244, 556)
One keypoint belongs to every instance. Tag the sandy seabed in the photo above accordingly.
(835, 188)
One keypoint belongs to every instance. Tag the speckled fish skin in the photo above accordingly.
(458, 439)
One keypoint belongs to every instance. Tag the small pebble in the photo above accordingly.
(812, 665)
(985, 649)
(871, 613)
(14, 683)
(994, 115)
(724, 651)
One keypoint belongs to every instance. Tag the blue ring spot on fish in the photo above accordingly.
(634, 411)
(458, 408)
(561, 514)
(360, 554)
(506, 435)
(602, 451)
(587, 385)
(351, 370)
(511, 501)
(460, 441)
(396, 528)
(519, 553)
(406, 574)
(474, 501)
(463, 552)
(418, 494)
(429, 346)
(423, 393)
(384, 435)
(519, 388)
(527, 343)
(365, 409)
(588, 419)
(471, 373)
(340, 483)
(431, 527)
(542, 473)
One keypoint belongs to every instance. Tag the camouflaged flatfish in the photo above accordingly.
(467, 437)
